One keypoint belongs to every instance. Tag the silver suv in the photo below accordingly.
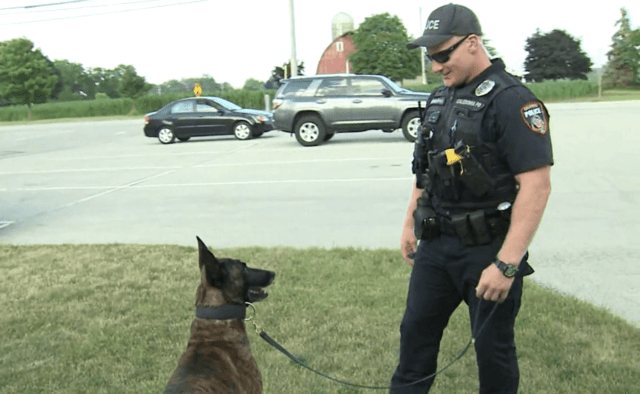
(315, 108)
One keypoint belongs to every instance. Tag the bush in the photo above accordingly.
(562, 89)
(253, 99)
(71, 109)
(102, 96)
(14, 113)
(544, 90)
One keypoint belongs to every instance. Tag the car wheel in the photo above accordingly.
(310, 130)
(410, 125)
(166, 136)
(184, 139)
(329, 136)
(242, 131)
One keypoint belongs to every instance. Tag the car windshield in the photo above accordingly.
(226, 104)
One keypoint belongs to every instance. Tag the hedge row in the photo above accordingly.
(245, 98)
(546, 90)
(549, 90)
(123, 106)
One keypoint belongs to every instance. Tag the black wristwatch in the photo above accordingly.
(509, 270)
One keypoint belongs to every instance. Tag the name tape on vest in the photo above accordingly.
(471, 103)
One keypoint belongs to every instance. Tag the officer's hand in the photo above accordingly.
(493, 285)
(408, 244)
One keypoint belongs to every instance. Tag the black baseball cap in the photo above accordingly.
(447, 21)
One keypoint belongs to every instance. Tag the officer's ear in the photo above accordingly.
(475, 43)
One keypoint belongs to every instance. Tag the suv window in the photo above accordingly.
(294, 88)
(333, 87)
(367, 87)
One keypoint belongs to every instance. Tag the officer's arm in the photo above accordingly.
(535, 188)
(408, 241)
(413, 204)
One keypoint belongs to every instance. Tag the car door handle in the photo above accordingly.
(321, 101)
(357, 101)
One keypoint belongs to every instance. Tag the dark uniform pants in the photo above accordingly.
(445, 273)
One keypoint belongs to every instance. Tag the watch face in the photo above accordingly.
(507, 269)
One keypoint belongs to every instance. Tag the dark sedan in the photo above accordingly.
(205, 116)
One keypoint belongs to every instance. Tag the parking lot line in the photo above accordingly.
(137, 184)
(261, 163)
(4, 224)
(88, 170)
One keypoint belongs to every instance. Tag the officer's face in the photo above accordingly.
(456, 70)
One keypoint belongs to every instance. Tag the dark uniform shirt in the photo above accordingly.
(518, 123)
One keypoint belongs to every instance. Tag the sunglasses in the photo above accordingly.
(444, 56)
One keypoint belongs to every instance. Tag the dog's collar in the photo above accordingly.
(222, 312)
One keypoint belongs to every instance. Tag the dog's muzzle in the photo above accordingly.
(257, 280)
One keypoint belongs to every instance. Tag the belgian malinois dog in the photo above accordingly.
(218, 358)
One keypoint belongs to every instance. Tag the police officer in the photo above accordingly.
(482, 163)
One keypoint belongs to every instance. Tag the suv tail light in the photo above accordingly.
(146, 120)
(277, 103)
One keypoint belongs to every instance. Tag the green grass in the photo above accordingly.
(607, 95)
(116, 318)
(123, 106)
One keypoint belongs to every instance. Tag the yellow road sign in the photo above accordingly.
(197, 90)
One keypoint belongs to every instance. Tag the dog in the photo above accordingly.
(218, 358)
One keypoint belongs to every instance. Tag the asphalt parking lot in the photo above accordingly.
(104, 182)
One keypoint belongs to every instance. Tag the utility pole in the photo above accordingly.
(422, 49)
(294, 61)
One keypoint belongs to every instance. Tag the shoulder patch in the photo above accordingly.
(534, 116)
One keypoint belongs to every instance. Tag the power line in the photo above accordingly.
(79, 8)
(104, 13)
(43, 5)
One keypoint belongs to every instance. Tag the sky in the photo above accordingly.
(237, 40)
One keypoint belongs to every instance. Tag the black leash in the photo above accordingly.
(284, 351)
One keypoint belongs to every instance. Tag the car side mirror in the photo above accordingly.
(387, 93)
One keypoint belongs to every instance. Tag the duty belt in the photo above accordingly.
(473, 228)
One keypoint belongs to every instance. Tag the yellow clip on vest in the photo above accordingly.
(452, 157)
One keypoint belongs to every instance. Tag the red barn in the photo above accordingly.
(334, 59)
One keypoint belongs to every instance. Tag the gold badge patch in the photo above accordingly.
(535, 117)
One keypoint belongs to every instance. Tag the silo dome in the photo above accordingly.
(341, 24)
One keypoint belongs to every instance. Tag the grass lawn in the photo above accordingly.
(69, 120)
(116, 318)
(607, 95)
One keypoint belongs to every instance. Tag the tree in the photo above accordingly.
(381, 48)
(279, 73)
(185, 85)
(77, 84)
(624, 56)
(493, 52)
(26, 75)
(206, 82)
(133, 85)
(57, 87)
(253, 84)
(107, 81)
(555, 55)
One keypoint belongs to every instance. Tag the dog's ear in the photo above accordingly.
(213, 268)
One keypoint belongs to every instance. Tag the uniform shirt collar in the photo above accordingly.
(497, 65)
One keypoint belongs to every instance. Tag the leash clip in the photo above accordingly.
(250, 318)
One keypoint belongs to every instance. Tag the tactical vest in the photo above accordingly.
(461, 172)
